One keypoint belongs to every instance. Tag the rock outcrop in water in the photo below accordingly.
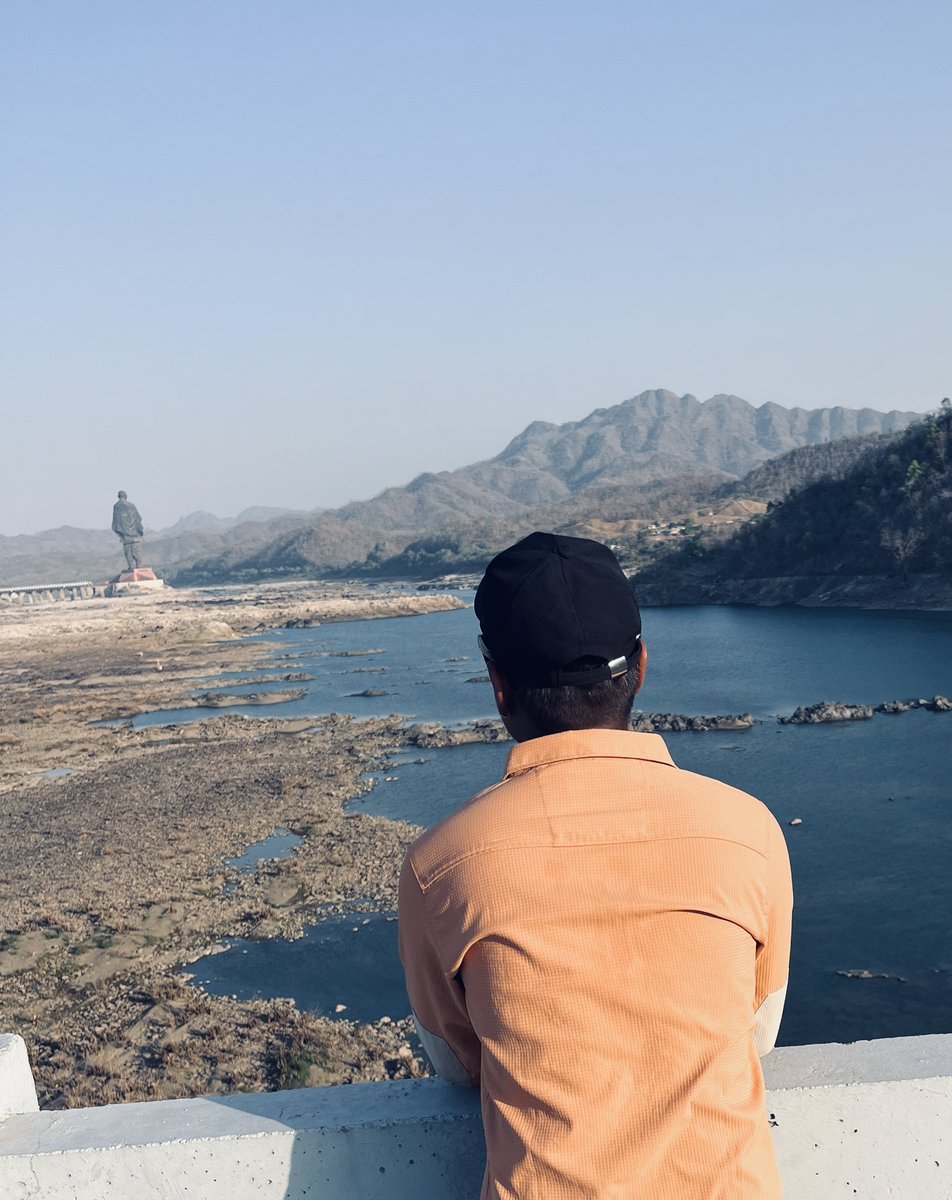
(827, 710)
(432, 736)
(435, 737)
(679, 723)
(936, 704)
(833, 710)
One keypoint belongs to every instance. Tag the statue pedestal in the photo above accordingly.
(131, 583)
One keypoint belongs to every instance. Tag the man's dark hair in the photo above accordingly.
(603, 705)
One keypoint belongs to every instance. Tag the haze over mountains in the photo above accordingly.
(630, 448)
(67, 553)
(205, 522)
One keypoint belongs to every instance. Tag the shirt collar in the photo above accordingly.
(587, 743)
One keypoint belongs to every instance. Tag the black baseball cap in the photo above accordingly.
(550, 601)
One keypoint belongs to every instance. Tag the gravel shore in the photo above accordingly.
(113, 876)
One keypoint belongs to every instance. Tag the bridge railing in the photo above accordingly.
(48, 593)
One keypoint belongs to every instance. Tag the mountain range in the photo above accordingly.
(649, 450)
(653, 437)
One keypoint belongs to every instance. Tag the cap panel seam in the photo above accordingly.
(579, 631)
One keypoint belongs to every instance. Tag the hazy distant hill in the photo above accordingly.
(653, 437)
(66, 554)
(205, 522)
(617, 513)
(880, 532)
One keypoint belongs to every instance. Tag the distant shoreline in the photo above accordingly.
(920, 593)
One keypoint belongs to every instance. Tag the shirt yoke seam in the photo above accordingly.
(517, 771)
(476, 851)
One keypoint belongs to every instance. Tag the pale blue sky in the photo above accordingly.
(291, 253)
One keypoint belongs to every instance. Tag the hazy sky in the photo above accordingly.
(292, 252)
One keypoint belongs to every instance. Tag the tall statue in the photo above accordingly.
(127, 523)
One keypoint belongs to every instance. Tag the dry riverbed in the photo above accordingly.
(113, 876)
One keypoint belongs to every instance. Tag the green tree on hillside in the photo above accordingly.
(890, 513)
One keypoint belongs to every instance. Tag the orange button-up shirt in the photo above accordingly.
(591, 938)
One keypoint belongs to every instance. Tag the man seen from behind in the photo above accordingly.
(600, 941)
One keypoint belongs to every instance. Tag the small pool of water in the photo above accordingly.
(281, 844)
(350, 961)
(423, 792)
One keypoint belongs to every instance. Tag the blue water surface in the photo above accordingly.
(870, 859)
(702, 660)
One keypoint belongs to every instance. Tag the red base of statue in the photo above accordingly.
(138, 575)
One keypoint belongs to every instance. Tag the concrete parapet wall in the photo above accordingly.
(873, 1119)
(17, 1090)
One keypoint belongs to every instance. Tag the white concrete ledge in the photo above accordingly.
(874, 1116)
(841, 1064)
(17, 1089)
(368, 1141)
(869, 1119)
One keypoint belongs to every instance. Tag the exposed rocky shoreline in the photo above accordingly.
(679, 723)
(433, 736)
(833, 710)
(112, 863)
(922, 592)
(113, 872)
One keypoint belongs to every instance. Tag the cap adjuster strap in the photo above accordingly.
(584, 677)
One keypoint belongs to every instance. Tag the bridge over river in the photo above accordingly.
(47, 593)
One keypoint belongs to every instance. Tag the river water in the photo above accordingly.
(871, 858)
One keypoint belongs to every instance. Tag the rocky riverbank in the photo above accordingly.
(679, 723)
(833, 710)
(435, 737)
(112, 860)
(702, 586)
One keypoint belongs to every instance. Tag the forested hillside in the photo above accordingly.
(890, 516)
(792, 472)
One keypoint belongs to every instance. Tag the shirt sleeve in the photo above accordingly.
(438, 1000)
(773, 957)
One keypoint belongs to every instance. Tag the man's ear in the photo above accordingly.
(641, 666)
(501, 689)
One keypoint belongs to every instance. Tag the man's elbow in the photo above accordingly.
(767, 1021)
(444, 1060)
